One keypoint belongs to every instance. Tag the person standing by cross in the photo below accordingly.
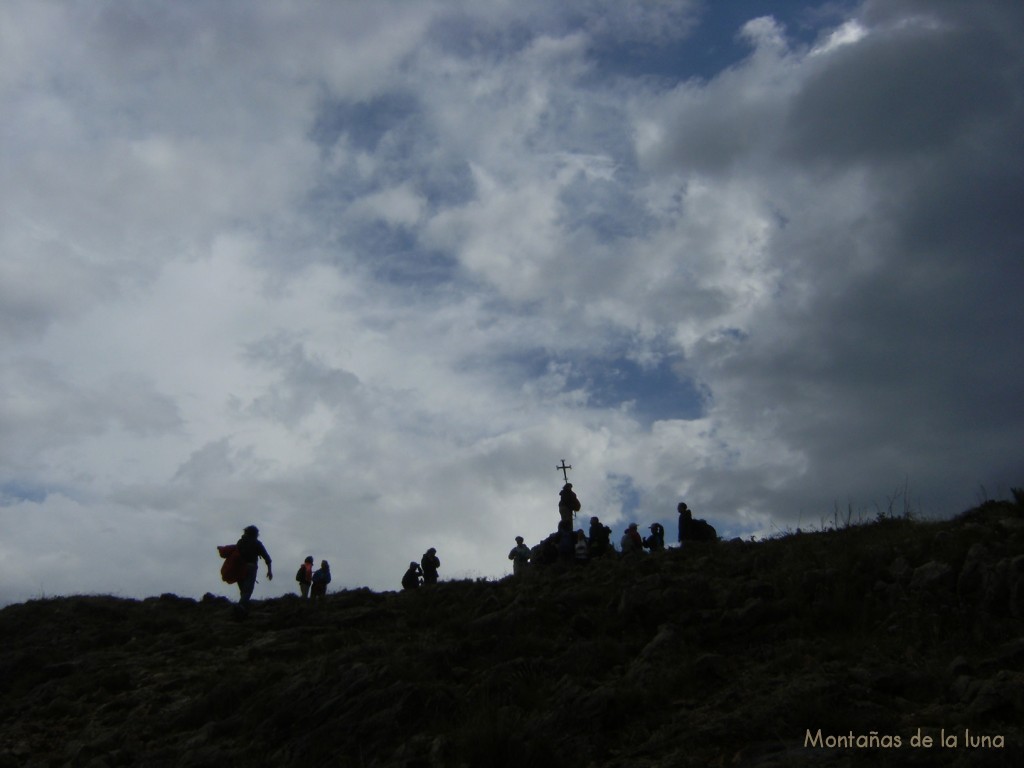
(568, 503)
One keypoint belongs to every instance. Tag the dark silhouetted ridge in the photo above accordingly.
(831, 648)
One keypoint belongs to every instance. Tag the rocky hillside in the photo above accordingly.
(845, 647)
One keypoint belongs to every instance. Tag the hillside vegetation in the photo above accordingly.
(835, 648)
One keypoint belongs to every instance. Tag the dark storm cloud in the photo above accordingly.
(893, 161)
(901, 93)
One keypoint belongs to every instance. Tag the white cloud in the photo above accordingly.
(765, 34)
(364, 273)
(848, 33)
(397, 206)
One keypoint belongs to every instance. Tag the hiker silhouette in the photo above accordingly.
(304, 576)
(520, 557)
(694, 530)
(631, 542)
(411, 579)
(321, 579)
(251, 549)
(430, 564)
(568, 504)
(600, 538)
(656, 541)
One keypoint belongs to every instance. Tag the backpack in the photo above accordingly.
(300, 575)
(233, 569)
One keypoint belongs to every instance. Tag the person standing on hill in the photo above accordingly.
(320, 580)
(631, 542)
(568, 504)
(520, 557)
(251, 550)
(305, 576)
(600, 538)
(694, 530)
(656, 541)
(685, 516)
(430, 563)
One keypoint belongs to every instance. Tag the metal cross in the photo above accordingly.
(564, 467)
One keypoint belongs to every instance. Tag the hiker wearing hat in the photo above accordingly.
(568, 504)
(251, 549)
(631, 542)
(520, 557)
(656, 541)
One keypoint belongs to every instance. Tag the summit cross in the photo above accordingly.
(564, 467)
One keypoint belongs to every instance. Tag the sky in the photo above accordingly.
(363, 274)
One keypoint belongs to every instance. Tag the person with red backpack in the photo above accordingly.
(305, 576)
(251, 549)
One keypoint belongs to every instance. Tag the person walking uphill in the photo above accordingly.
(430, 565)
(251, 549)
(305, 576)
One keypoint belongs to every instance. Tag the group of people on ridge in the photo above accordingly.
(567, 545)
(313, 583)
(242, 559)
(241, 566)
(423, 572)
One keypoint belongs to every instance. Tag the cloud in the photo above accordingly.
(873, 321)
(363, 274)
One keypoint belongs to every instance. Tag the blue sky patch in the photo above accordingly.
(364, 123)
(653, 394)
(13, 492)
(715, 43)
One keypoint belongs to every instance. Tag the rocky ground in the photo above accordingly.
(835, 648)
